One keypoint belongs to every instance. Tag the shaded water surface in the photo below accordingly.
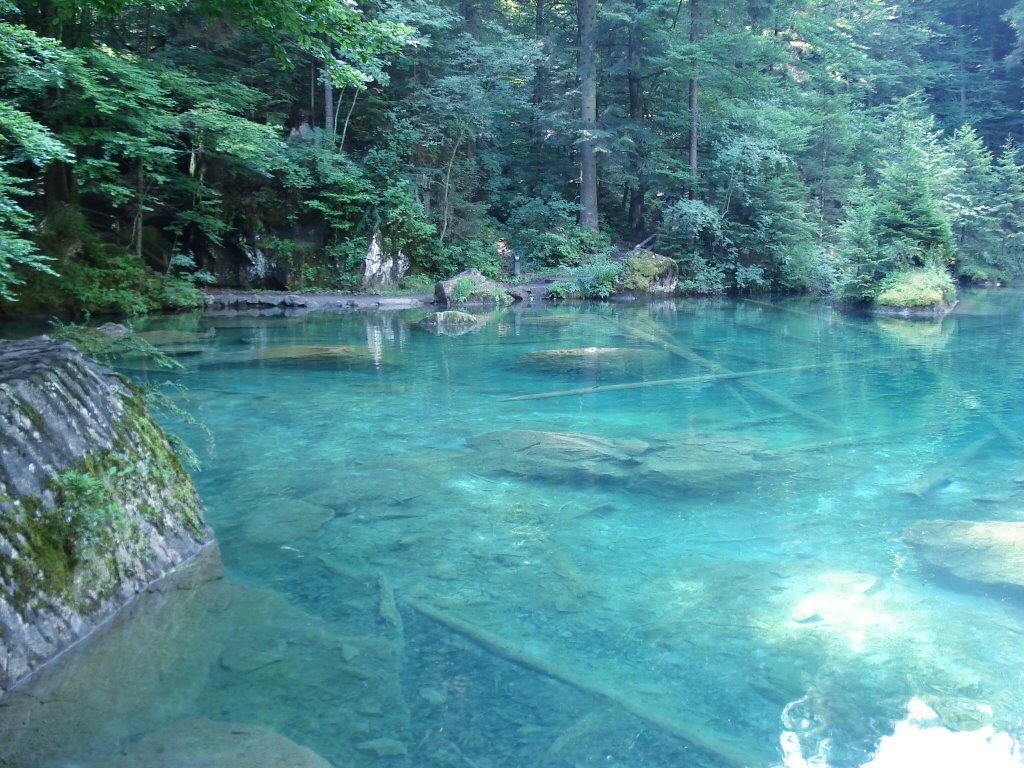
(720, 579)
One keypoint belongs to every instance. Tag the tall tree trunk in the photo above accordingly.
(445, 212)
(312, 93)
(328, 100)
(962, 64)
(140, 209)
(348, 119)
(587, 13)
(58, 185)
(636, 114)
(693, 101)
(538, 37)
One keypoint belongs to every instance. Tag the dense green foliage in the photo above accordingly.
(149, 147)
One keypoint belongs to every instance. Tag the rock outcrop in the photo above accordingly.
(380, 269)
(986, 552)
(94, 504)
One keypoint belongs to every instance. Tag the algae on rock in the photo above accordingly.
(94, 503)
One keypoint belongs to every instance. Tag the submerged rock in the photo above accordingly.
(451, 322)
(201, 743)
(341, 354)
(678, 462)
(171, 338)
(698, 460)
(557, 455)
(986, 552)
(94, 504)
(600, 360)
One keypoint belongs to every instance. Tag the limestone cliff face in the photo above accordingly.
(94, 504)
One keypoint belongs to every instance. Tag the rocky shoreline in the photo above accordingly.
(470, 288)
(235, 301)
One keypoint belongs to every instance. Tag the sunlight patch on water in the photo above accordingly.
(920, 739)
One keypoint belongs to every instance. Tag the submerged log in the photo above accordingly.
(702, 379)
(1003, 429)
(688, 354)
(840, 442)
(725, 747)
(941, 473)
(777, 308)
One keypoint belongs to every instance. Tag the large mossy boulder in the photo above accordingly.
(469, 287)
(646, 272)
(985, 552)
(94, 503)
(665, 465)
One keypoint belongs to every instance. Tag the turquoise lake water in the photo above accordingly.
(720, 580)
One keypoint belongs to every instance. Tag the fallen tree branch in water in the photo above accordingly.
(651, 336)
(941, 473)
(1002, 428)
(839, 442)
(778, 308)
(702, 379)
(722, 746)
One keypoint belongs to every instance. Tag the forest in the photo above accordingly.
(152, 148)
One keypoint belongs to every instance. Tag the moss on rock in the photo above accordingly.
(94, 503)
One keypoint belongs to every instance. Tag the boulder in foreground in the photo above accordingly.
(94, 503)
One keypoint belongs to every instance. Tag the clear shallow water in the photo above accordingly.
(771, 613)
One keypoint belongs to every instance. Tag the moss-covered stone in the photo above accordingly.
(94, 503)
(470, 287)
(649, 272)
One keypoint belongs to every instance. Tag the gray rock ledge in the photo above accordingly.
(94, 504)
